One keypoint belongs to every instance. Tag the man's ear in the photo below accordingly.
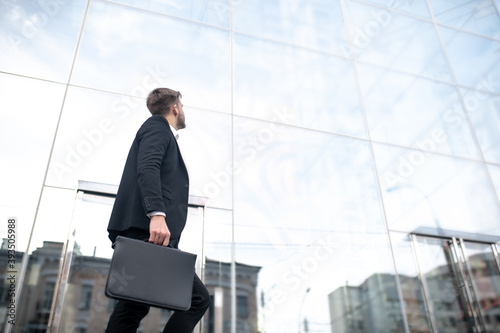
(174, 109)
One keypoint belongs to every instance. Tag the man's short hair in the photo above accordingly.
(161, 100)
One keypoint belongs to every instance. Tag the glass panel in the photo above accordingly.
(94, 137)
(27, 128)
(218, 238)
(278, 83)
(484, 113)
(48, 238)
(38, 38)
(316, 24)
(486, 281)
(98, 128)
(206, 149)
(85, 306)
(414, 7)
(204, 11)
(413, 295)
(334, 284)
(443, 293)
(419, 113)
(185, 60)
(426, 190)
(395, 41)
(495, 177)
(300, 162)
(296, 226)
(480, 17)
(480, 53)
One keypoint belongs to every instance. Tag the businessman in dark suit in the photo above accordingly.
(152, 202)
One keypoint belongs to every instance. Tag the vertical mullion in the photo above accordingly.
(425, 289)
(470, 282)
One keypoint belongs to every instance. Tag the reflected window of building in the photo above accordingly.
(85, 296)
(242, 306)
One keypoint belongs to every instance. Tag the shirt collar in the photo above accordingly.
(174, 132)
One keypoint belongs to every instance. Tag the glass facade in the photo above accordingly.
(348, 149)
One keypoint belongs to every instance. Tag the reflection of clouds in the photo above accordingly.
(405, 110)
(313, 24)
(467, 51)
(399, 42)
(484, 113)
(207, 138)
(451, 191)
(318, 90)
(478, 17)
(39, 42)
(414, 7)
(215, 12)
(304, 184)
(26, 131)
(113, 52)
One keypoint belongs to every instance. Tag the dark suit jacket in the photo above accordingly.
(154, 179)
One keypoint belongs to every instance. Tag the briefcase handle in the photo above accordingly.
(144, 240)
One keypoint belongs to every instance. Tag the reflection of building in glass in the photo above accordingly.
(374, 306)
(87, 309)
(218, 282)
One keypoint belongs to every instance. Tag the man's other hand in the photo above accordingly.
(158, 231)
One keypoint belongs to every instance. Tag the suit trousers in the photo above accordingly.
(127, 315)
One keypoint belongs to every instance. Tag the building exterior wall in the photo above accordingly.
(323, 133)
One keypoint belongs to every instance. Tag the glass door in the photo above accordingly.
(461, 283)
(79, 304)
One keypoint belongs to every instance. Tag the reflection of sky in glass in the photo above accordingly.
(53, 219)
(467, 52)
(38, 38)
(204, 11)
(316, 24)
(421, 189)
(314, 90)
(495, 177)
(414, 112)
(396, 41)
(351, 259)
(479, 17)
(27, 128)
(414, 7)
(484, 112)
(95, 134)
(299, 185)
(132, 52)
(207, 138)
(297, 188)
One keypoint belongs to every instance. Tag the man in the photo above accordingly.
(151, 204)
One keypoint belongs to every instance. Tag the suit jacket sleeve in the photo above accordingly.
(153, 143)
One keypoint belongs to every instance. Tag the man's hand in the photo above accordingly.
(158, 231)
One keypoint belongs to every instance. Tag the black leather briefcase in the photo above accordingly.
(156, 275)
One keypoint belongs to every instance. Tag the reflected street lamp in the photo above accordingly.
(300, 311)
